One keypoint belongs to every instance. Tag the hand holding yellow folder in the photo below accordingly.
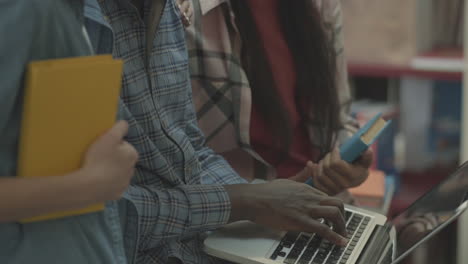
(68, 103)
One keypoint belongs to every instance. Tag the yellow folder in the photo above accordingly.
(68, 104)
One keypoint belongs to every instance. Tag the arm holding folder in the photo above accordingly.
(104, 176)
(97, 167)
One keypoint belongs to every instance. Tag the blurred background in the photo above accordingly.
(406, 60)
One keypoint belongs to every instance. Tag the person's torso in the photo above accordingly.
(91, 238)
(156, 101)
(221, 91)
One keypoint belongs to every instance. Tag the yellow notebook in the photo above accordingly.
(68, 104)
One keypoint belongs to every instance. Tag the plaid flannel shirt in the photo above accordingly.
(177, 191)
(222, 94)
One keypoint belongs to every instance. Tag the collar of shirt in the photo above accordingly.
(93, 11)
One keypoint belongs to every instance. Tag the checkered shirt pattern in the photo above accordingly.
(177, 191)
(222, 94)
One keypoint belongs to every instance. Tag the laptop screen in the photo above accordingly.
(431, 212)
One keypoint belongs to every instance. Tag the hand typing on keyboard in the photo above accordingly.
(303, 248)
(292, 206)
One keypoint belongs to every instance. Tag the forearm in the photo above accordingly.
(28, 197)
(177, 212)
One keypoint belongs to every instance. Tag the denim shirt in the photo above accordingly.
(36, 30)
(177, 192)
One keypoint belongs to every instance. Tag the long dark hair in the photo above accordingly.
(314, 58)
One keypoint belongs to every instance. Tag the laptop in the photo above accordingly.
(372, 237)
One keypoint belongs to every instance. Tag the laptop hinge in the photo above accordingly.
(377, 245)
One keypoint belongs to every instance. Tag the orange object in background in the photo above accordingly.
(372, 192)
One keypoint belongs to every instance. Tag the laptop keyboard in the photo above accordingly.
(312, 249)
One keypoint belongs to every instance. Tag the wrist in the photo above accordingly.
(243, 202)
(83, 184)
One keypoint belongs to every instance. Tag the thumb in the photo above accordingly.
(314, 169)
(366, 158)
(305, 174)
(116, 134)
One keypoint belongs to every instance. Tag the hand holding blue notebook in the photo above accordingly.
(354, 147)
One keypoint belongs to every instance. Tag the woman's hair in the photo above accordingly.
(314, 58)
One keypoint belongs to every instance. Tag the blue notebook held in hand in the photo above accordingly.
(354, 147)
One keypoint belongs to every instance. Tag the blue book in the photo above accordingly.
(354, 147)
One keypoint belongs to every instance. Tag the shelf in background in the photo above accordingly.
(441, 64)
